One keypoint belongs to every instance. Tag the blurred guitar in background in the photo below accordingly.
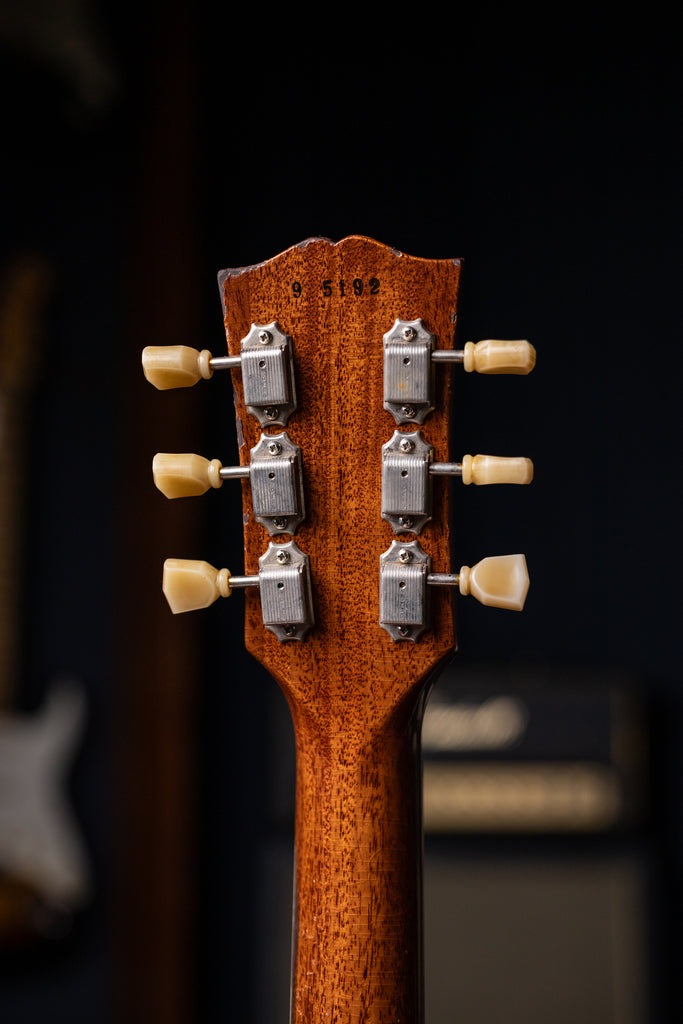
(44, 871)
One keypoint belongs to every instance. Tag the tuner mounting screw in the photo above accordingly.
(408, 411)
(282, 557)
(409, 333)
(289, 630)
(270, 412)
(406, 445)
(280, 523)
(406, 521)
(404, 630)
(274, 447)
(265, 337)
(404, 555)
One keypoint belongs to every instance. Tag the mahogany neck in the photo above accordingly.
(358, 921)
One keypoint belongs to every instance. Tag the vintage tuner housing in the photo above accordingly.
(500, 581)
(408, 371)
(274, 472)
(267, 361)
(277, 488)
(285, 590)
(403, 592)
(283, 582)
(410, 355)
(406, 487)
(407, 469)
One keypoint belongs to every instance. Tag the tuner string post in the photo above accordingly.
(443, 579)
(225, 362)
(448, 355)
(234, 472)
(445, 469)
(242, 582)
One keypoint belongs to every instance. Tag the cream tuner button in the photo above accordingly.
(175, 366)
(499, 357)
(501, 581)
(189, 585)
(493, 469)
(186, 475)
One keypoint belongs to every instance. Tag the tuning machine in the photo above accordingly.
(283, 581)
(274, 471)
(407, 469)
(410, 356)
(266, 361)
(500, 581)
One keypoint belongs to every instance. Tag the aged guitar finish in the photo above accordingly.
(355, 695)
(355, 691)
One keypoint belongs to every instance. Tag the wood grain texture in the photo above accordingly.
(355, 695)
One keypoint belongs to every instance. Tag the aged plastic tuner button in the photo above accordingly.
(491, 356)
(275, 474)
(410, 355)
(500, 581)
(179, 366)
(283, 581)
(266, 362)
(493, 469)
(189, 585)
(187, 475)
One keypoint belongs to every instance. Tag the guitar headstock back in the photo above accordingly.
(336, 302)
(343, 417)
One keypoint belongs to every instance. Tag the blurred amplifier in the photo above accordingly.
(532, 750)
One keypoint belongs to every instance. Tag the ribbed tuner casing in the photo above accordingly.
(405, 484)
(408, 374)
(283, 594)
(264, 373)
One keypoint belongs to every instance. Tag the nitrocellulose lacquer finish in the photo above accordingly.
(356, 696)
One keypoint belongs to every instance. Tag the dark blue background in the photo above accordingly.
(547, 155)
